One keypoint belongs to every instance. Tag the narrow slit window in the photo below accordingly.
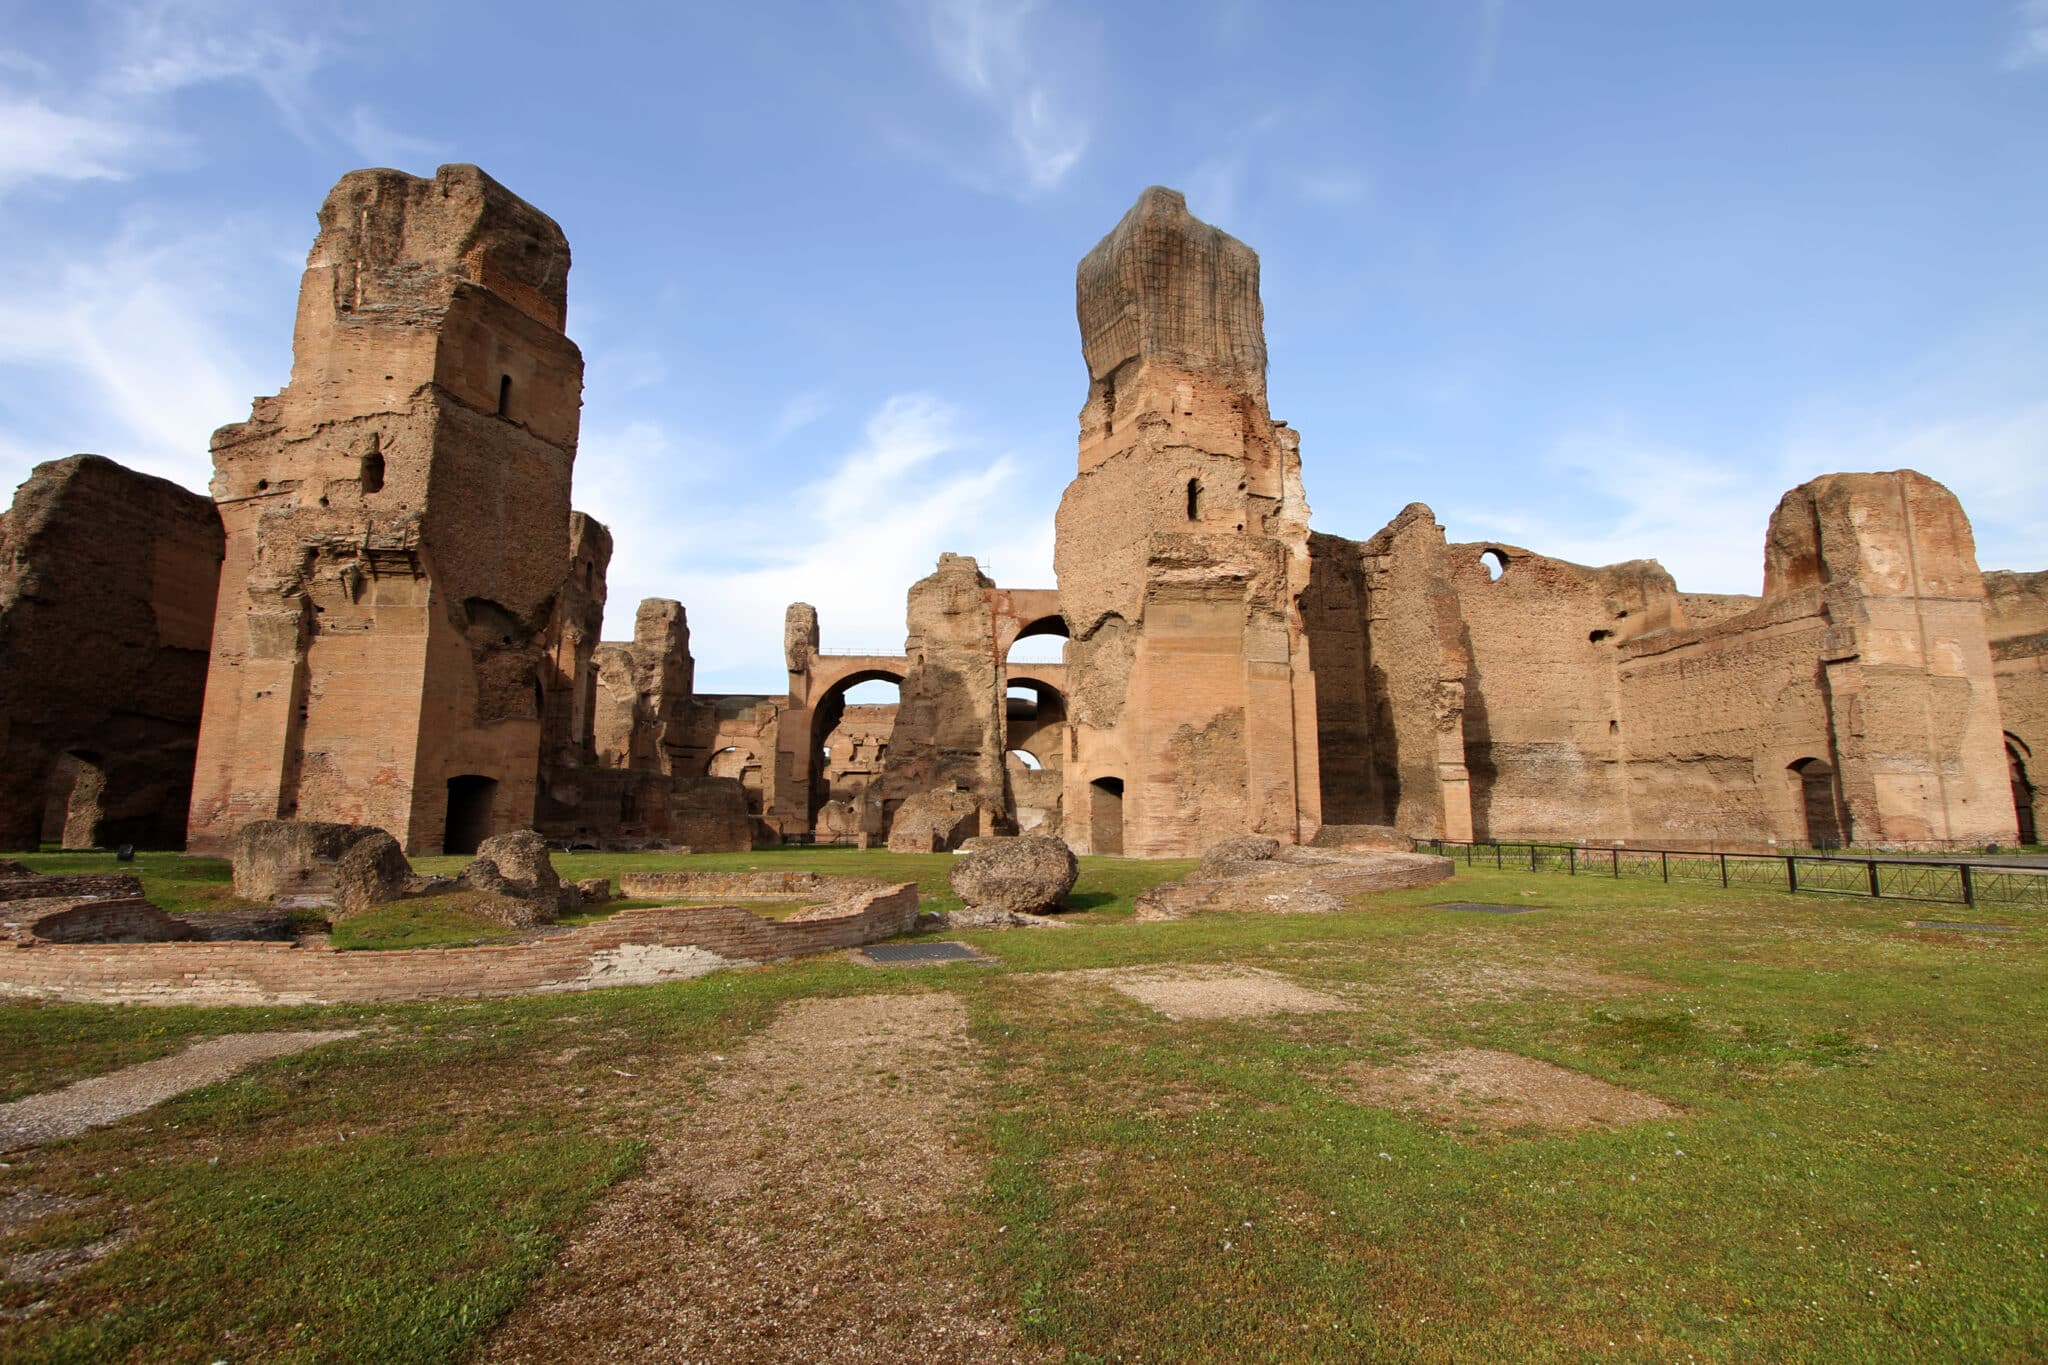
(1194, 499)
(504, 395)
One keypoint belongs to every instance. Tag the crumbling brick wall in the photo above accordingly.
(107, 581)
(1182, 548)
(396, 521)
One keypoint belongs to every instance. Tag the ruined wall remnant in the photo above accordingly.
(1182, 547)
(396, 521)
(1391, 668)
(1855, 701)
(2017, 622)
(106, 606)
(949, 721)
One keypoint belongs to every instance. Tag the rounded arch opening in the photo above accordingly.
(1025, 759)
(1494, 561)
(1048, 638)
(851, 726)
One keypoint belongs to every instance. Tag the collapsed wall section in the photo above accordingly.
(107, 580)
(2017, 623)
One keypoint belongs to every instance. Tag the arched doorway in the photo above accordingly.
(851, 728)
(1047, 638)
(2016, 755)
(470, 798)
(1818, 803)
(1106, 815)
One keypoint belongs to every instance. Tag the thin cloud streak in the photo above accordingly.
(2029, 44)
(1703, 516)
(991, 51)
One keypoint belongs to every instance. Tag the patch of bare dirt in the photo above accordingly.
(798, 1215)
(1499, 1090)
(1196, 992)
(1504, 981)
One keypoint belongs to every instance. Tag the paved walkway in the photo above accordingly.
(100, 1100)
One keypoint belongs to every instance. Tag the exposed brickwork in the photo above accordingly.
(627, 948)
(111, 885)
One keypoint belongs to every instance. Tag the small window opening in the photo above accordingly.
(1597, 636)
(504, 395)
(1496, 564)
(1194, 499)
(371, 474)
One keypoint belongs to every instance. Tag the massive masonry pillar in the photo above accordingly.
(1182, 548)
(396, 521)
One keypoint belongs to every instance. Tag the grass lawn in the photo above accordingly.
(1856, 1167)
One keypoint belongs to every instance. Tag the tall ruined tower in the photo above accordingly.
(396, 521)
(1182, 547)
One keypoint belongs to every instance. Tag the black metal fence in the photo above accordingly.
(1942, 882)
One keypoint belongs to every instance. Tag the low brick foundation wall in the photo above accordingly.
(633, 947)
(110, 885)
(749, 885)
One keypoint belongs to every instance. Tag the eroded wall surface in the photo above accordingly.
(107, 580)
(2018, 627)
(1181, 548)
(396, 520)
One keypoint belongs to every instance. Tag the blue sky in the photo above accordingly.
(1599, 277)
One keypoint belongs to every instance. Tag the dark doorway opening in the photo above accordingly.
(470, 799)
(1817, 800)
(1106, 815)
(2022, 790)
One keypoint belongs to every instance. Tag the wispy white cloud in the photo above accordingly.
(2028, 46)
(800, 411)
(110, 118)
(378, 144)
(39, 142)
(914, 483)
(999, 53)
(134, 349)
(1703, 514)
(1334, 186)
(1493, 16)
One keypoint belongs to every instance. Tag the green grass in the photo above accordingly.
(1858, 1169)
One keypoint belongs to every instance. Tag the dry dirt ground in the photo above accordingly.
(1500, 1090)
(101, 1100)
(803, 1210)
(1194, 992)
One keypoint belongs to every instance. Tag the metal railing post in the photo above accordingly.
(1617, 862)
(1724, 872)
(1969, 886)
(1571, 860)
(1664, 859)
(1876, 890)
(1792, 873)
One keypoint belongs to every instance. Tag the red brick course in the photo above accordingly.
(632, 947)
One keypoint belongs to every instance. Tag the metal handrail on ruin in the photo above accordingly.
(1940, 881)
(860, 652)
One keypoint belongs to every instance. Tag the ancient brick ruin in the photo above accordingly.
(396, 526)
(406, 631)
(106, 608)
